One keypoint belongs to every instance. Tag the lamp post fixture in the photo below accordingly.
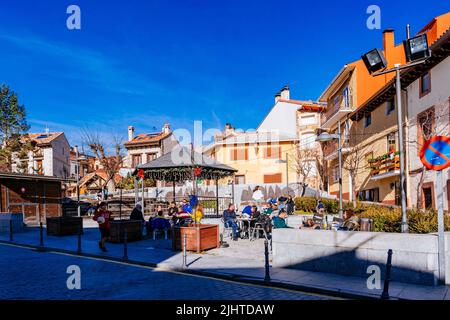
(77, 169)
(416, 52)
(324, 137)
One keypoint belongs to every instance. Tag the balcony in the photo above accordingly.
(333, 115)
(385, 166)
(330, 150)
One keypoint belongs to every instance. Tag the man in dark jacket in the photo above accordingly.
(136, 214)
(229, 218)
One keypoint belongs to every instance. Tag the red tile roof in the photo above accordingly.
(146, 138)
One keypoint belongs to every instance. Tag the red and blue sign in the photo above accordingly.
(435, 153)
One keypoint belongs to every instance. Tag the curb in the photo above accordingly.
(231, 277)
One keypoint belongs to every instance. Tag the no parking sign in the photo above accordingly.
(435, 153)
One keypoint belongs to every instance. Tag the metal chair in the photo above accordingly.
(256, 229)
(226, 230)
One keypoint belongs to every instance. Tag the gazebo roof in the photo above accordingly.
(178, 165)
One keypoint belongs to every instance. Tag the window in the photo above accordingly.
(392, 142)
(239, 179)
(425, 84)
(347, 131)
(272, 152)
(151, 156)
(308, 120)
(425, 125)
(308, 140)
(336, 174)
(239, 154)
(346, 94)
(136, 160)
(368, 120)
(390, 106)
(272, 178)
(337, 101)
(372, 195)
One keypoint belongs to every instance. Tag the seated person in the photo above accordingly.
(320, 208)
(186, 206)
(172, 208)
(351, 222)
(229, 218)
(275, 211)
(160, 223)
(247, 211)
(181, 217)
(136, 214)
(310, 224)
(279, 223)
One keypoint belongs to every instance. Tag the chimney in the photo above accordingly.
(228, 128)
(75, 149)
(130, 133)
(277, 97)
(389, 45)
(285, 93)
(166, 128)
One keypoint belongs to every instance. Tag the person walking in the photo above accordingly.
(103, 216)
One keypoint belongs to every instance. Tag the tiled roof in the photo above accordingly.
(44, 138)
(147, 138)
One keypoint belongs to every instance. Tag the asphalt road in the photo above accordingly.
(27, 274)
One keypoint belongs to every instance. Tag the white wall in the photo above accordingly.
(282, 117)
(439, 97)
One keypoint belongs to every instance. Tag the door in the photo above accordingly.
(428, 197)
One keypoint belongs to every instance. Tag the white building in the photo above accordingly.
(146, 147)
(428, 102)
(51, 156)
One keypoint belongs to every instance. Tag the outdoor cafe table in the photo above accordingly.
(241, 221)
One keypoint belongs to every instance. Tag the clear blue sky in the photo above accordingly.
(149, 62)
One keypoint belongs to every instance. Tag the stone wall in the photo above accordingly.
(415, 258)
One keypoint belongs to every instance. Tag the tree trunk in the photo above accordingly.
(419, 188)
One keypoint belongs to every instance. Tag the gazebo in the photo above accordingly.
(183, 164)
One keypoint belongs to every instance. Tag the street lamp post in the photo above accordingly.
(416, 52)
(77, 169)
(325, 136)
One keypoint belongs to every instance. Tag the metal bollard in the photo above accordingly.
(11, 231)
(79, 239)
(266, 253)
(41, 238)
(185, 251)
(125, 245)
(387, 279)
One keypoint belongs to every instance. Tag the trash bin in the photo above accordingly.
(366, 224)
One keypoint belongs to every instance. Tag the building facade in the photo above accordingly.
(50, 157)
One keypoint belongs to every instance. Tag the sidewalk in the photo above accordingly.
(242, 261)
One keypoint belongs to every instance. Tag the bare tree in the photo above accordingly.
(304, 163)
(355, 161)
(427, 125)
(110, 163)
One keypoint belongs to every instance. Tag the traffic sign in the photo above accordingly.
(435, 153)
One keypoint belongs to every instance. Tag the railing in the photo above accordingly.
(386, 163)
(331, 111)
(329, 147)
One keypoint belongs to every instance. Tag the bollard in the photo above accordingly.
(266, 253)
(41, 238)
(125, 245)
(79, 239)
(387, 279)
(185, 251)
(11, 231)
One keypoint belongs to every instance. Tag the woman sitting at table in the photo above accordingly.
(182, 217)
(172, 208)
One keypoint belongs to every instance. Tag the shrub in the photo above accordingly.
(309, 204)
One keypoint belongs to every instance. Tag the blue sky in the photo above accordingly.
(145, 63)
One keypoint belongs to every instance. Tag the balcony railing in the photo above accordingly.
(384, 164)
(329, 147)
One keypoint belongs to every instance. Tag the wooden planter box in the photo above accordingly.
(64, 226)
(118, 227)
(199, 237)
